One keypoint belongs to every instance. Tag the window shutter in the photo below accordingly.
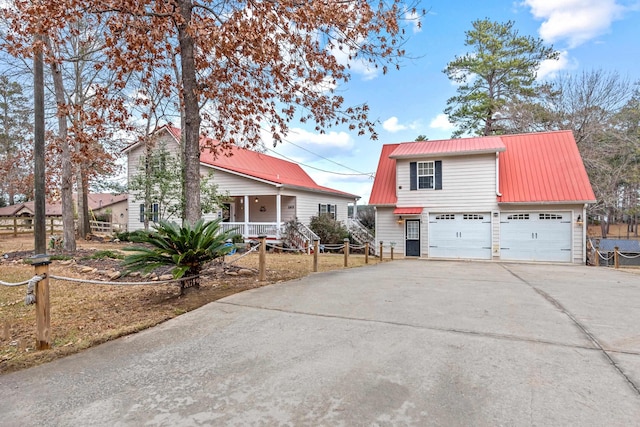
(155, 212)
(319, 208)
(141, 212)
(413, 176)
(438, 164)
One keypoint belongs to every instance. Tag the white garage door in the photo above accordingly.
(460, 235)
(535, 236)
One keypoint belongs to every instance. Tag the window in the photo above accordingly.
(445, 216)
(472, 216)
(327, 209)
(155, 209)
(425, 174)
(549, 216)
(518, 216)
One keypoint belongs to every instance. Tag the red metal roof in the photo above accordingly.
(258, 165)
(543, 167)
(449, 147)
(384, 185)
(407, 211)
(534, 168)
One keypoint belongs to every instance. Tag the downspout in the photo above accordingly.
(498, 193)
(278, 212)
(584, 234)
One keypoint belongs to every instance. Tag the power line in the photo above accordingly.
(371, 174)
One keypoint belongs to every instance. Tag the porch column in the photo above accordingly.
(355, 209)
(246, 216)
(278, 213)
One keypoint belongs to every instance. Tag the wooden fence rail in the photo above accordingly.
(19, 225)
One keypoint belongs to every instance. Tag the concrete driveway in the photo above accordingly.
(408, 342)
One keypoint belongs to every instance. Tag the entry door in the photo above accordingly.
(412, 239)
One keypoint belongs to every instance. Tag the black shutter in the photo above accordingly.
(141, 212)
(413, 176)
(319, 209)
(438, 174)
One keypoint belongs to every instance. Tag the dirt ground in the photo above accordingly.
(84, 314)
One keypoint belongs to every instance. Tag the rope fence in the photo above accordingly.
(38, 285)
(616, 257)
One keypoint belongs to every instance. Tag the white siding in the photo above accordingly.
(133, 158)
(308, 204)
(468, 184)
(388, 230)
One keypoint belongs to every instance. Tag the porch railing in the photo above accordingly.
(252, 230)
(360, 233)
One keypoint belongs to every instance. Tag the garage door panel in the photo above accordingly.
(460, 235)
(536, 236)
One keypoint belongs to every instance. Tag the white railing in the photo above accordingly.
(254, 229)
(359, 232)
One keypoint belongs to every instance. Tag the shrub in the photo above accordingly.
(328, 229)
(187, 248)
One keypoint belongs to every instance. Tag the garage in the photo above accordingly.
(460, 235)
(535, 236)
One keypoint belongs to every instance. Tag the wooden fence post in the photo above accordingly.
(616, 257)
(262, 258)
(366, 252)
(597, 252)
(316, 249)
(381, 242)
(15, 227)
(346, 252)
(43, 309)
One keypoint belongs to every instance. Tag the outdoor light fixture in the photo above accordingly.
(400, 220)
(579, 220)
(256, 200)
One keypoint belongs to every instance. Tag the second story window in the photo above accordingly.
(425, 174)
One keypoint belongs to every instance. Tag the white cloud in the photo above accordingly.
(414, 18)
(549, 68)
(392, 125)
(441, 121)
(575, 21)
(359, 65)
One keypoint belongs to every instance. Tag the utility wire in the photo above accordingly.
(370, 174)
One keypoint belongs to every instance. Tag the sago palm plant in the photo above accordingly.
(186, 247)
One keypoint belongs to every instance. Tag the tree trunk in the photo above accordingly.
(66, 185)
(84, 228)
(191, 130)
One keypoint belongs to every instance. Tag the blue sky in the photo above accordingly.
(590, 34)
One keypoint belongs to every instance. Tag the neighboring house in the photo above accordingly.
(265, 192)
(512, 197)
(112, 206)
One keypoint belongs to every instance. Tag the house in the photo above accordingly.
(512, 197)
(264, 192)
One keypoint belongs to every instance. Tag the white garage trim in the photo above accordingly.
(460, 235)
(536, 236)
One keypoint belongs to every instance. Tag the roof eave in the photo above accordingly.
(447, 153)
(553, 202)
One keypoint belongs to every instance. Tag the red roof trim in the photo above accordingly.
(448, 147)
(407, 211)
